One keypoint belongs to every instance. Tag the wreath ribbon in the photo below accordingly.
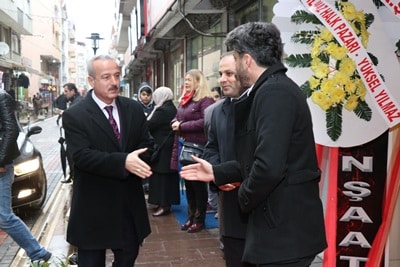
(394, 7)
(345, 35)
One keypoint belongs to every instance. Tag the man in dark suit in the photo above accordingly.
(72, 97)
(108, 146)
(221, 148)
(275, 155)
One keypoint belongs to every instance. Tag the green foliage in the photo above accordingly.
(324, 57)
(369, 19)
(299, 60)
(373, 58)
(304, 37)
(55, 262)
(363, 111)
(305, 88)
(378, 3)
(301, 16)
(334, 122)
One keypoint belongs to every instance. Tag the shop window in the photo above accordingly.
(261, 10)
(15, 44)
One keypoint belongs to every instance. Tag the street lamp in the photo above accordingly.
(95, 37)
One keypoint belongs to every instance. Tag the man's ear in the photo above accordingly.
(91, 80)
(248, 60)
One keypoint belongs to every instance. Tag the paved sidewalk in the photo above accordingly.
(167, 245)
(46, 142)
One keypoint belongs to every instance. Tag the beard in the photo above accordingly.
(242, 75)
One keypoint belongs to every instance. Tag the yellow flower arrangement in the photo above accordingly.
(335, 82)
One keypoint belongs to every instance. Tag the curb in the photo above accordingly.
(45, 226)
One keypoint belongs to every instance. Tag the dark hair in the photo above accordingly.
(217, 89)
(71, 86)
(261, 40)
(147, 90)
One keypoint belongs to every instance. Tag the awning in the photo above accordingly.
(10, 64)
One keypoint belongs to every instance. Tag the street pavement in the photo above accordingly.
(41, 223)
(166, 246)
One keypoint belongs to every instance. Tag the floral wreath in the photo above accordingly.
(335, 83)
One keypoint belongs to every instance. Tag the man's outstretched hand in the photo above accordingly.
(200, 171)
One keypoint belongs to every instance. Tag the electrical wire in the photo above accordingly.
(193, 27)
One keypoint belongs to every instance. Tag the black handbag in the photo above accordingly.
(189, 149)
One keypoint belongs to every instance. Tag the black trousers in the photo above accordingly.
(123, 257)
(70, 164)
(197, 196)
(233, 252)
(304, 262)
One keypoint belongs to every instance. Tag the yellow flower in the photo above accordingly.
(340, 78)
(337, 95)
(361, 92)
(348, 10)
(337, 52)
(315, 50)
(352, 103)
(321, 100)
(314, 82)
(347, 66)
(319, 68)
(326, 35)
(350, 86)
(360, 17)
(327, 85)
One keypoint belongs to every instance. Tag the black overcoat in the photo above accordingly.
(104, 193)
(276, 156)
(220, 147)
(160, 128)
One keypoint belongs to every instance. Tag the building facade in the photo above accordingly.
(160, 42)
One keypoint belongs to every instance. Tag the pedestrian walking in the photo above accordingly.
(73, 97)
(108, 138)
(9, 222)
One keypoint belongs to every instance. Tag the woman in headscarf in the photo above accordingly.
(164, 183)
(188, 125)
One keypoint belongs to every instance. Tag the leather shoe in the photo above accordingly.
(161, 211)
(196, 227)
(186, 225)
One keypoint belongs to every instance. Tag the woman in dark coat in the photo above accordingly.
(164, 183)
(188, 125)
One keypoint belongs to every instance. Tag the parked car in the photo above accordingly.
(29, 188)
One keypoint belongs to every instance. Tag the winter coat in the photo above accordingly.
(104, 192)
(192, 125)
(160, 129)
(221, 148)
(9, 130)
(277, 159)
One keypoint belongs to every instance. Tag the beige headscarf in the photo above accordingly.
(160, 95)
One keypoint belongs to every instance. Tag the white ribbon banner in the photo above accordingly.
(344, 34)
(393, 6)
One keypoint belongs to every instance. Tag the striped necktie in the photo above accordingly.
(113, 122)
